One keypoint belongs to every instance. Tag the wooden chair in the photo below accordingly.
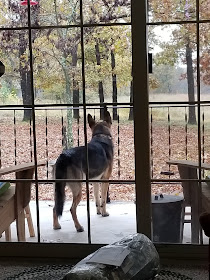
(14, 203)
(191, 192)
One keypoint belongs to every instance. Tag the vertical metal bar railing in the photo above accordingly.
(151, 143)
(63, 131)
(30, 135)
(169, 136)
(46, 140)
(78, 132)
(15, 135)
(186, 134)
(0, 149)
(203, 139)
(118, 144)
(85, 114)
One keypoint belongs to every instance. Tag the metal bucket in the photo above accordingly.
(167, 224)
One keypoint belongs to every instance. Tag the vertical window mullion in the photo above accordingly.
(85, 116)
(199, 106)
(141, 116)
(33, 116)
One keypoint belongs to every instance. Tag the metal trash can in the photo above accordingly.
(167, 218)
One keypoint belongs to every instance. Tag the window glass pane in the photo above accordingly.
(55, 13)
(204, 61)
(107, 11)
(171, 10)
(204, 9)
(15, 83)
(174, 63)
(122, 219)
(67, 233)
(57, 66)
(13, 14)
(108, 64)
(172, 137)
(16, 138)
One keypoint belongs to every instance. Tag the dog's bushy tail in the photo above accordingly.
(60, 173)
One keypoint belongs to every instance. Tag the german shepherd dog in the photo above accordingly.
(71, 164)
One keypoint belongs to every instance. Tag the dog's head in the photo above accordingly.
(102, 127)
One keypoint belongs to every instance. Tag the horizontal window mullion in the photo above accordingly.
(68, 106)
(178, 22)
(47, 181)
(67, 26)
(179, 103)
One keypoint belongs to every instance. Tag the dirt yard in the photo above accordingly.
(16, 144)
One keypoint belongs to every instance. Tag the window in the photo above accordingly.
(65, 59)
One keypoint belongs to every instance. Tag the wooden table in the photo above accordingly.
(16, 199)
(189, 170)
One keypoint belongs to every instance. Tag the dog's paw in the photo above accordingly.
(106, 214)
(80, 229)
(55, 227)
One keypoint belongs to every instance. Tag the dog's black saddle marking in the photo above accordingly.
(100, 154)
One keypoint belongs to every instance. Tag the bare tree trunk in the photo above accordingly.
(24, 70)
(25, 78)
(75, 83)
(100, 83)
(114, 84)
(69, 134)
(190, 83)
(75, 98)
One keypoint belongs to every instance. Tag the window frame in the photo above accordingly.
(168, 253)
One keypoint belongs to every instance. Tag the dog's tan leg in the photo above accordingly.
(56, 224)
(76, 200)
(97, 198)
(104, 189)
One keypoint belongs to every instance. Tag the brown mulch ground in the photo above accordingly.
(16, 142)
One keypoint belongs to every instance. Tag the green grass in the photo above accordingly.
(159, 114)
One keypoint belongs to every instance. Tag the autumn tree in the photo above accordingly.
(182, 44)
(107, 11)
(56, 50)
(18, 43)
(204, 41)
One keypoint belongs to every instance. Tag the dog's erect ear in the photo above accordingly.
(107, 117)
(91, 121)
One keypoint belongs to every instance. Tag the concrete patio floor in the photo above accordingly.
(104, 230)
